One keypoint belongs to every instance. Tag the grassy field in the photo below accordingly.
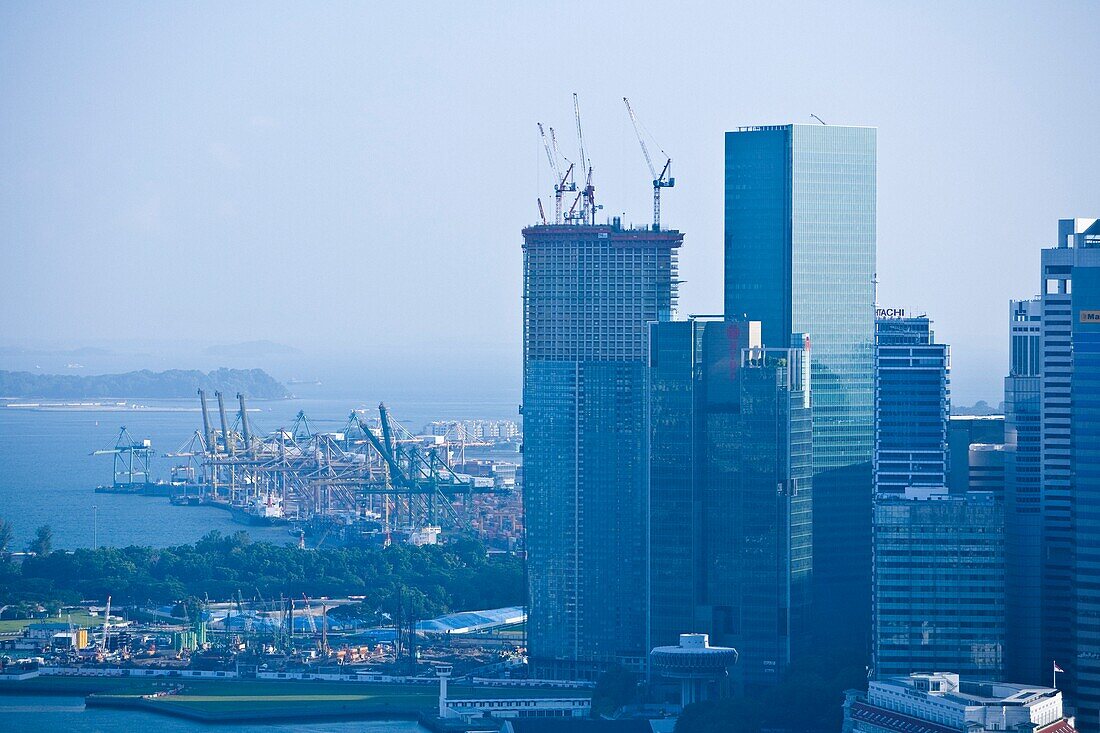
(79, 618)
(230, 700)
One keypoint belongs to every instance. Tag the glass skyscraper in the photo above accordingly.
(730, 493)
(589, 295)
(800, 257)
(1023, 495)
(1085, 454)
(912, 403)
(1077, 248)
(939, 588)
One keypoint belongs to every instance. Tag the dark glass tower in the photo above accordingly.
(1023, 496)
(939, 591)
(1085, 448)
(589, 295)
(1068, 523)
(800, 257)
(912, 403)
(730, 493)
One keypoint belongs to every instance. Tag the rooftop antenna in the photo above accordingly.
(818, 118)
(660, 180)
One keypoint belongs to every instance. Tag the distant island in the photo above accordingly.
(251, 350)
(255, 383)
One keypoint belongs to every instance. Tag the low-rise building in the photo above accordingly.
(942, 702)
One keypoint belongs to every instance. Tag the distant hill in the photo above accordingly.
(251, 349)
(255, 383)
(979, 409)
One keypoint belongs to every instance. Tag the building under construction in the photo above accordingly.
(590, 292)
(372, 482)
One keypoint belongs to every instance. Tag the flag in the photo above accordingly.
(1057, 668)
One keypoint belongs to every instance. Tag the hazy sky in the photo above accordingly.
(351, 179)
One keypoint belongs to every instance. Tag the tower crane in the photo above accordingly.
(562, 182)
(588, 193)
(661, 180)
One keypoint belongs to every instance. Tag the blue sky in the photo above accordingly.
(351, 179)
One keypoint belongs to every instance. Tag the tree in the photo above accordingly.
(615, 687)
(5, 537)
(42, 544)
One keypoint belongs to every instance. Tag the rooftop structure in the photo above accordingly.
(468, 622)
(942, 702)
(698, 665)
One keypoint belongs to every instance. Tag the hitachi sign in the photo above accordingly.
(889, 312)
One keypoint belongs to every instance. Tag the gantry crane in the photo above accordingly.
(661, 180)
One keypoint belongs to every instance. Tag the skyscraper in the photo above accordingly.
(730, 493)
(1077, 249)
(939, 589)
(912, 404)
(1023, 496)
(1085, 461)
(589, 294)
(800, 257)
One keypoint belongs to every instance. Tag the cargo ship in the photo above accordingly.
(261, 511)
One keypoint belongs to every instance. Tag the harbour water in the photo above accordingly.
(47, 475)
(38, 714)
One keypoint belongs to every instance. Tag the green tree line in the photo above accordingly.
(440, 578)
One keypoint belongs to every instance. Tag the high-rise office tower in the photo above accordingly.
(939, 589)
(589, 295)
(1023, 496)
(800, 257)
(1077, 248)
(730, 493)
(912, 404)
(1085, 461)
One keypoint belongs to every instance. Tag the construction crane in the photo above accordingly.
(587, 196)
(661, 180)
(106, 624)
(562, 181)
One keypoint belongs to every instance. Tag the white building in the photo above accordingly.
(940, 702)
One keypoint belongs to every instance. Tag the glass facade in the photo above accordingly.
(1077, 248)
(1085, 446)
(912, 404)
(939, 584)
(590, 293)
(1023, 495)
(800, 257)
(731, 508)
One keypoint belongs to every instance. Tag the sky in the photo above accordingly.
(352, 179)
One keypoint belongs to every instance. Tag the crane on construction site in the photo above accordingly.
(587, 196)
(562, 181)
(106, 625)
(661, 180)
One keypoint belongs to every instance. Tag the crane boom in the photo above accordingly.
(641, 140)
(580, 134)
(661, 180)
(549, 153)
